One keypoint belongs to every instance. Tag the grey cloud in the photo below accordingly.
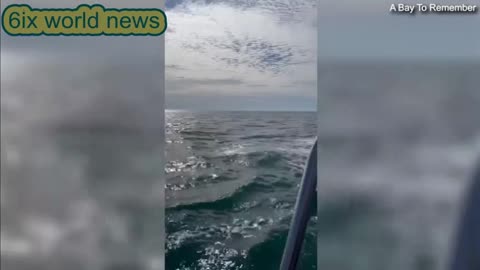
(183, 85)
(284, 10)
(229, 103)
(177, 67)
(351, 30)
(212, 82)
(267, 55)
(256, 85)
(303, 83)
(259, 54)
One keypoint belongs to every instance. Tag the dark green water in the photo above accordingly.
(232, 180)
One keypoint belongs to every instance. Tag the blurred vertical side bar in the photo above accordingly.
(82, 149)
(398, 134)
(466, 255)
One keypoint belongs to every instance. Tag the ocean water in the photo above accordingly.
(398, 144)
(81, 173)
(232, 179)
(81, 200)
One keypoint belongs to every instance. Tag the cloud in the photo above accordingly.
(251, 47)
(253, 103)
(365, 30)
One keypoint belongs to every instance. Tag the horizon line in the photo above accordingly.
(238, 110)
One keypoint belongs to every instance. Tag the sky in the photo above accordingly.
(73, 74)
(258, 55)
(352, 30)
(241, 55)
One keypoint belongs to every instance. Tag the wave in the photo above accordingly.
(209, 193)
(272, 247)
(220, 212)
(265, 136)
(257, 159)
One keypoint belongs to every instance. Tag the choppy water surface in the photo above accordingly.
(81, 185)
(232, 179)
(398, 144)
